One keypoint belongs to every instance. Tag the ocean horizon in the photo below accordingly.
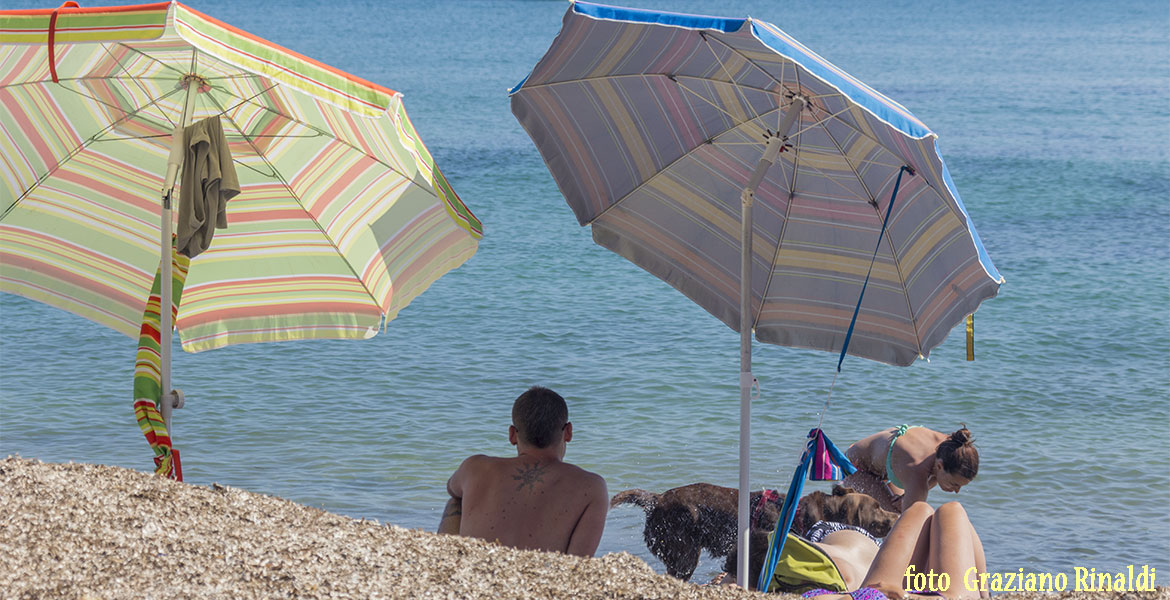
(1053, 118)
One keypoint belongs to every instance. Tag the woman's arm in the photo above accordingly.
(916, 491)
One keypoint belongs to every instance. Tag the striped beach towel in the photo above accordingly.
(828, 463)
(148, 366)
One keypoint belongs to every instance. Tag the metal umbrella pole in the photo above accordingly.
(171, 399)
(772, 150)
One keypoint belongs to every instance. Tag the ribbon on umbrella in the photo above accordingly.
(148, 367)
(817, 442)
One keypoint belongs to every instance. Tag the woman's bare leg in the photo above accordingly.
(980, 559)
(954, 549)
(907, 544)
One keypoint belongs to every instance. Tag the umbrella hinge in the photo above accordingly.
(175, 397)
(200, 82)
(769, 135)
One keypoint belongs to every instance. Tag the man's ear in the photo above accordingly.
(513, 435)
(568, 432)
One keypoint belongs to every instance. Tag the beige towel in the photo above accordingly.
(209, 181)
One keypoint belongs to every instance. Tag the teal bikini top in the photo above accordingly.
(899, 431)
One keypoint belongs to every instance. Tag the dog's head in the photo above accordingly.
(844, 506)
(765, 509)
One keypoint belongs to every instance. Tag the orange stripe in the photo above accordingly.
(297, 55)
(95, 9)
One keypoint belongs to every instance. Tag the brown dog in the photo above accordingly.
(842, 506)
(684, 521)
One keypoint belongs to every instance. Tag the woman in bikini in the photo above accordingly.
(930, 541)
(942, 541)
(899, 466)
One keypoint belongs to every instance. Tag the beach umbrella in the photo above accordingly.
(757, 178)
(342, 216)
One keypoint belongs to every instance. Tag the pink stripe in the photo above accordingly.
(20, 65)
(70, 278)
(31, 134)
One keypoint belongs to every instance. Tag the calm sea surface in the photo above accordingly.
(1054, 118)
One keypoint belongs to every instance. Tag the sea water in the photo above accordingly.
(1054, 118)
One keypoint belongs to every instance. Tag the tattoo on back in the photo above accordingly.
(528, 476)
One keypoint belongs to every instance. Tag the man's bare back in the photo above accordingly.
(531, 503)
(534, 500)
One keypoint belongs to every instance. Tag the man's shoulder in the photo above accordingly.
(477, 461)
(586, 477)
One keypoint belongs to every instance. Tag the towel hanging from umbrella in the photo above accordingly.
(342, 217)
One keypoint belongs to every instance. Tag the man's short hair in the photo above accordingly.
(539, 414)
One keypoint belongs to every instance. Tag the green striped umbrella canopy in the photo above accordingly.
(342, 220)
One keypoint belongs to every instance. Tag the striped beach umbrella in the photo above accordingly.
(757, 178)
(343, 216)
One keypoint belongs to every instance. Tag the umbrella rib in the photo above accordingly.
(666, 168)
(852, 168)
(783, 230)
(730, 77)
(796, 77)
(640, 76)
(133, 79)
(753, 63)
(888, 242)
(787, 207)
(735, 119)
(80, 148)
(276, 174)
(328, 134)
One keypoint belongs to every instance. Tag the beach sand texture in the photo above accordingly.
(89, 531)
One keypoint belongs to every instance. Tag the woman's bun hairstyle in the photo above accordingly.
(959, 455)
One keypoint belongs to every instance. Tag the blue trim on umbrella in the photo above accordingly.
(865, 96)
(517, 87)
(633, 15)
(984, 259)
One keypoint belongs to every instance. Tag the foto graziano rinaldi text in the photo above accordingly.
(1082, 579)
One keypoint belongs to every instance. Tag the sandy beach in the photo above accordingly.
(89, 531)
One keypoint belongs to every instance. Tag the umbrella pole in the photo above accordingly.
(772, 150)
(166, 327)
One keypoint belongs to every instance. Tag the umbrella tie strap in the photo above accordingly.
(885, 222)
(53, 37)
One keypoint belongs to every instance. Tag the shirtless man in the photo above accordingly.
(534, 500)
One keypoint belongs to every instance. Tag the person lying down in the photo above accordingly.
(845, 563)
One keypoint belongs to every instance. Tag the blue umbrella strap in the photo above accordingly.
(885, 222)
(784, 523)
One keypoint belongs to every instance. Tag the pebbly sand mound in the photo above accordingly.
(77, 531)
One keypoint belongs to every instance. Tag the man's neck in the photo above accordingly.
(550, 454)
